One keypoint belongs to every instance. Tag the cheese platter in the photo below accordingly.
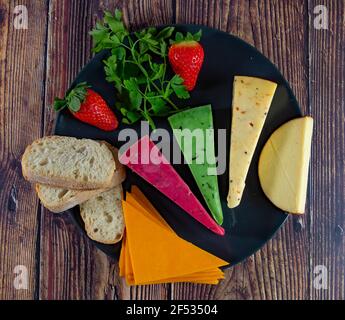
(223, 197)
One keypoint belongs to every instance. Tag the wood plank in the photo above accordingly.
(279, 30)
(21, 96)
(327, 96)
(71, 267)
(141, 14)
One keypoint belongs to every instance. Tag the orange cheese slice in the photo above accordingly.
(154, 253)
(148, 210)
(139, 196)
(178, 280)
(206, 277)
(137, 200)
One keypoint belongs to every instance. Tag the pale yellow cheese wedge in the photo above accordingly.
(252, 99)
(284, 165)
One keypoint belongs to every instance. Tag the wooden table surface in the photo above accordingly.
(39, 63)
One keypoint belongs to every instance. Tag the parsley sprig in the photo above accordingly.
(137, 66)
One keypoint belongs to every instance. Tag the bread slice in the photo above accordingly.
(103, 216)
(61, 199)
(69, 163)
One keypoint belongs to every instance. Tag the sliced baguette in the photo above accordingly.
(103, 216)
(61, 199)
(68, 162)
(58, 199)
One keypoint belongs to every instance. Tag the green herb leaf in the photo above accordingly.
(98, 34)
(150, 41)
(114, 22)
(114, 40)
(136, 99)
(143, 47)
(118, 14)
(135, 96)
(111, 72)
(165, 33)
(158, 71)
(123, 111)
(168, 92)
(119, 53)
(159, 106)
(116, 26)
(138, 68)
(133, 116)
(176, 79)
(179, 89)
(131, 84)
(152, 31)
(149, 120)
(144, 58)
(163, 47)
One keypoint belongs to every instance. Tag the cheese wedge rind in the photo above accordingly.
(284, 165)
(252, 99)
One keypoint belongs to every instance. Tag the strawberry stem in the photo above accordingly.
(73, 99)
(189, 37)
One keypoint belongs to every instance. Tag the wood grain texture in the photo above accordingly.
(279, 30)
(21, 53)
(327, 197)
(70, 266)
(45, 59)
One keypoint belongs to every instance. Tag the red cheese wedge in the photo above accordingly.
(145, 159)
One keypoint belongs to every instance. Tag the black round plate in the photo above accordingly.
(255, 221)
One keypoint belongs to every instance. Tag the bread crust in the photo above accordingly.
(57, 181)
(82, 195)
(89, 228)
(61, 206)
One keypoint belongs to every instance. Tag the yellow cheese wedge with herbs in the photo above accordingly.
(251, 101)
(284, 165)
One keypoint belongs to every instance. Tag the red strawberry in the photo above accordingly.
(89, 107)
(186, 56)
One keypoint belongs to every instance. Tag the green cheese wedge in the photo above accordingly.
(199, 152)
